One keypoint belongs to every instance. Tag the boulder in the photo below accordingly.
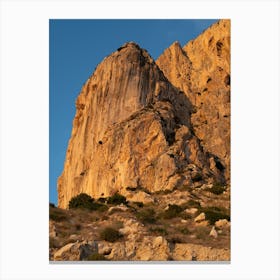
(152, 248)
(75, 252)
(191, 211)
(213, 233)
(122, 208)
(140, 196)
(200, 218)
(222, 224)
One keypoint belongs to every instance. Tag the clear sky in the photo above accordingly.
(78, 46)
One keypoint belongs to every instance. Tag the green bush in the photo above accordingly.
(217, 189)
(96, 257)
(110, 234)
(184, 230)
(185, 216)
(175, 239)
(197, 177)
(193, 204)
(213, 214)
(99, 207)
(57, 216)
(82, 200)
(102, 199)
(117, 199)
(158, 230)
(146, 215)
(172, 211)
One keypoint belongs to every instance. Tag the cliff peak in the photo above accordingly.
(133, 125)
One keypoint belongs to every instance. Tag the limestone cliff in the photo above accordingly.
(132, 128)
(201, 69)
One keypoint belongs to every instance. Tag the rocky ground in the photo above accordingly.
(186, 224)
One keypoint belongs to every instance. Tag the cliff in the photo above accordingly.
(201, 69)
(152, 126)
(148, 161)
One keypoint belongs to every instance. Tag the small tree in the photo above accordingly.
(110, 234)
(172, 211)
(82, 200)
(117, 199)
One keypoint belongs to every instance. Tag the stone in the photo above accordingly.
(191, 211)
(223, 223)
(122, 208)
(152, 248)
(140, 196)
(104, 248)
(200, 218)
(74, 252)
(118, 252)
(132, 229)
(213, 233)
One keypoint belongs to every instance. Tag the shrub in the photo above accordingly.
(57, 216)
(117, 199)
(102, 199)
(185, 231)
(172, 211)
(82, 200)
(217, 189)
(146, 216)
(197, 177)
(213, 214)
(158, 230)
(193, 204)
(174, 239)
(185, 216)
(96, 257)
(110, 234)
(99, 207)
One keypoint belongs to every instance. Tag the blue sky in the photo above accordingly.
(77, 47)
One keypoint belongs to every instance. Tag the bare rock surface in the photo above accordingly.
(187, 252)
(223, 223)
(200, 218)
(74, 252)
(131, 129)
(201, 69)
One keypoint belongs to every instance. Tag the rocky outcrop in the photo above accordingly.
(201, 69)
(193, 252)
(148, 249)
(75, 252)
(132, 129)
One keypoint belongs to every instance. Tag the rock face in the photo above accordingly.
(74, 251)
(146, 125)
(201, 69)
